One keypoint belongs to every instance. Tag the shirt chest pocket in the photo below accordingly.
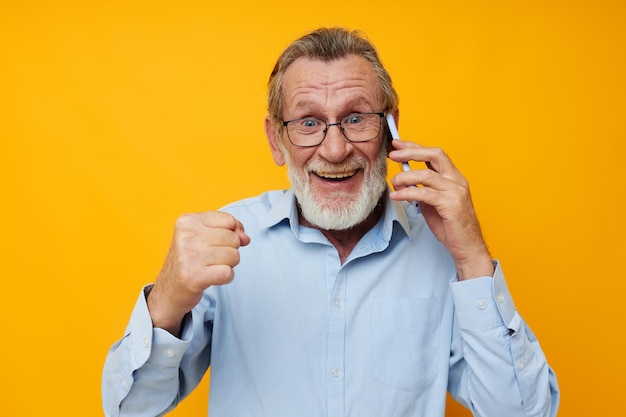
(406, 340)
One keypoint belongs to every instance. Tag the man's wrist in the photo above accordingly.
(481, 266)
(159, 320)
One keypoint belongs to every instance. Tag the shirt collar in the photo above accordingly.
(286, 209)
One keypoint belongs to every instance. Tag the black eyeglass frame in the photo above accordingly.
(338, 124)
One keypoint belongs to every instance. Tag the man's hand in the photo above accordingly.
(203, 252)
(446, 205)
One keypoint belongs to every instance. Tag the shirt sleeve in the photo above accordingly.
(497, 365)
(149, 371)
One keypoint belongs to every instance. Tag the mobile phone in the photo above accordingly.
(393, 130)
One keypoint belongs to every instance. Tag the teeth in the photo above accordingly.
(336, 175)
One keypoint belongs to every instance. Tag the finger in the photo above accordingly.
(244, 239)
(421, 194)
(218, 220)
(218, 268)
(221, 255)
(219, 275)
(423, 177)
(432, 188)
(435, 158)
(222, 237)
(208, 268)
(213, 275)
(228, 221)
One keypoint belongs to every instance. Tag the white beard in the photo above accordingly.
(339, 210)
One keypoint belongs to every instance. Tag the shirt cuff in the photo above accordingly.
(484, 302)
(155, 344)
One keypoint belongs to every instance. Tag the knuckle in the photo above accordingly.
(226, 256)
(236, 258)
(235, 242)
(184, 220)
(231, 221)
(429, 174)
(438, 152)
(184, 242)
(222, 274)
(428, 193)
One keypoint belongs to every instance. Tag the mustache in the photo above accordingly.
(351, 164)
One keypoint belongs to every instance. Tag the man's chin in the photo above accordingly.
(337, 212)
(331, 220)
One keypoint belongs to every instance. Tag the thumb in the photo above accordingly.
(244, 239)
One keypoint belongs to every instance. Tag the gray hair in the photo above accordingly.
(327, 44)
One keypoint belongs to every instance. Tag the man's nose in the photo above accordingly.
(335, 147)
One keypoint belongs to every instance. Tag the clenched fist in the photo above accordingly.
(203, 252)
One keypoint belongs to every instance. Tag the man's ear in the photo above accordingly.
(272, 138)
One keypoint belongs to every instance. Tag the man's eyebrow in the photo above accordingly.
(356, 101)
(303, 105)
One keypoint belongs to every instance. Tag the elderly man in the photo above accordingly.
(336, 297)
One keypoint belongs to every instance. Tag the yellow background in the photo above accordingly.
(117, 116)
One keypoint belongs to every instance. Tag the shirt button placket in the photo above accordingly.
(336, 347)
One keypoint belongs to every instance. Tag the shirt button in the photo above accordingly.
(146, 342)
(123, 383)
(170, 353)
(521, 365)
(337, 303)
(500, 298)
(482, 304)
(336, 372)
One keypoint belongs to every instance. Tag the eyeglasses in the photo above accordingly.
(357, 127)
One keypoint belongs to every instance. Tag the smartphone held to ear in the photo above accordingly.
(391, 123)
(393, 130)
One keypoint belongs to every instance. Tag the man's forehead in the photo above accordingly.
(356, 62)
(352, 73)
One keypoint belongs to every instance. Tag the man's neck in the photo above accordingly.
(345, 240)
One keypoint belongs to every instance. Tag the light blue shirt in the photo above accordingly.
(299, 334)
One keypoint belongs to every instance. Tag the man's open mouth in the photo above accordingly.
(336, 176)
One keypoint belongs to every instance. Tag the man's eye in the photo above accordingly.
(309, 123)
(354, 119)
